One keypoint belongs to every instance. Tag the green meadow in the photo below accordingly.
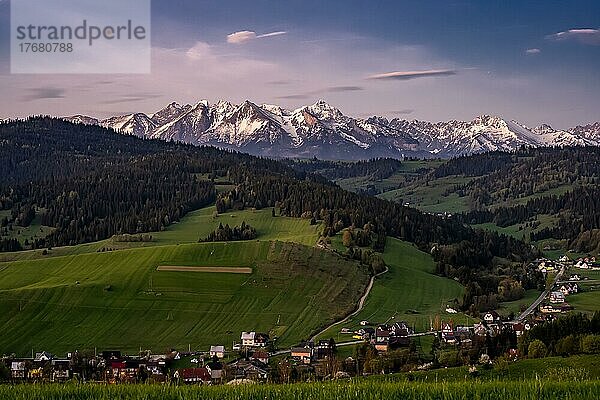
(109, 294)
(409, 291)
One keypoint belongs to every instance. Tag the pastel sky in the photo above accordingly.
(533, 61)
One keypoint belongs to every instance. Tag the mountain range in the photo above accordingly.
(321, 130)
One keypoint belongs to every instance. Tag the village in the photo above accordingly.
(256, 359)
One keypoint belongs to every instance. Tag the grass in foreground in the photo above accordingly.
(531, 389)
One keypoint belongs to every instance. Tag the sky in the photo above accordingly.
(531, 61)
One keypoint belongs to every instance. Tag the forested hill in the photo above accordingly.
(89, 183)
(501, 176)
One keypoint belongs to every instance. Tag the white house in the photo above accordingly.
(218, 351)
(491, 317)
(557, 297)
(248, 338)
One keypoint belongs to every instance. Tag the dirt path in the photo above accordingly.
(361, 304)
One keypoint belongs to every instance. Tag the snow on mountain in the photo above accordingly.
(589, 132)
(323, 131)
(82, 119)
(133, 124)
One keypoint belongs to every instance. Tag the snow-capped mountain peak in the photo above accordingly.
(322, 130)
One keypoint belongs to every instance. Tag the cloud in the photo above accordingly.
(532, 51)
(585, 36)
(338, 89)
(44, 93)
(247, 36)
(281, 82)
(294, 97)
(406, 75)
(330, 89)
(132, 98)
(403, 112)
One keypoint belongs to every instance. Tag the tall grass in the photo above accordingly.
(528, 390)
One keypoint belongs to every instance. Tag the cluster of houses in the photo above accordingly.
(114, 367)
(309, 352)
(491, 325)
(108, 366)
(587, 263)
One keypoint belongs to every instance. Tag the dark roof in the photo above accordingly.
(260, 354)
(195, 373)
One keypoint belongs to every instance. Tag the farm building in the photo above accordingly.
(217, 351)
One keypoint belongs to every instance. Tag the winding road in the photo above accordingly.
(361, 304)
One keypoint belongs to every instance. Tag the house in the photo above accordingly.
(254, 370)
(451, 310)
(261, 356)
(557, 297)
(302, 354)
(324, 348)
(261, 339)
(491, 317)
(480, 329)
(248, 339)
(254, 339)
(43, 357)
(61, 370)
(217, 351)
(194, 375)
(568, 288)
(394, 335)
(463, 335)
(215, 369)
(575, 277)
(546, 265)
(550, 309)
(367, 333)
(111, 355)
(448, 333)
(519, 328)
(125, 370)
(18, 369)
(582, 265)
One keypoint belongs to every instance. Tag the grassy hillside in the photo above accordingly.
(118, 299)
(409, 291)
(195, 225)
(432, 196)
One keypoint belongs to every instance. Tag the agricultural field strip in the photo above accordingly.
(224, 270)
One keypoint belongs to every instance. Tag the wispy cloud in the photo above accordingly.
(585, 36)
(403, 112)
(44, 93)
(294, 97)
(532, 51)
(330, 89)
(281, 82)
(338, 89)
(132, 98)
(247, 36)
(406, 75)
